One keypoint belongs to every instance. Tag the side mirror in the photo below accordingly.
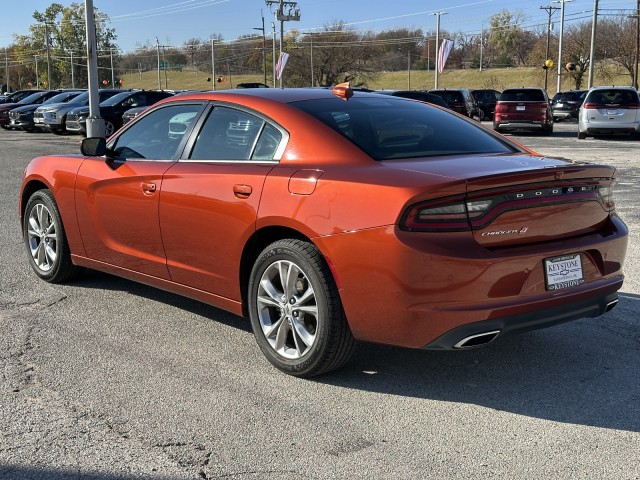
(93, 146)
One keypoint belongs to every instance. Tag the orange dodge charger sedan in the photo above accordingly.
(330, 216)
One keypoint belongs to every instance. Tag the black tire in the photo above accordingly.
(59, 131)
(294, 339)
(6, 127)
(45, 239)
(581, 135)
(547, 130)
(109, 128)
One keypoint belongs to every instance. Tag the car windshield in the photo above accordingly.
(31, 98)
(115, 100)
(522, 95)
(61, 97)
(388, 128)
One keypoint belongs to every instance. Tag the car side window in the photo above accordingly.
(157, 135)
(230, 134)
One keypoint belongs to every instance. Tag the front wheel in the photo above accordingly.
(109, 128)
(45, 239)
(296, 313)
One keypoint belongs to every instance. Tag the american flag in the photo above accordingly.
(282, 61)
(443, 53)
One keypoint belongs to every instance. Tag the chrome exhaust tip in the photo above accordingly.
(477, 340)
(611, 304)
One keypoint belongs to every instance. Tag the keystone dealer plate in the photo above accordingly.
(563, 272)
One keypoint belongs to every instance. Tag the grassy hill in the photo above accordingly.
(498, 79)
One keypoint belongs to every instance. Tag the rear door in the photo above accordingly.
(210, 199)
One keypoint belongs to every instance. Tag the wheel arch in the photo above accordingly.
(29, 189)
(255, 245)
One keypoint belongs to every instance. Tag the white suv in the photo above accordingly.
(610, 111)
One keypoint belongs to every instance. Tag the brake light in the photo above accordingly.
(606, 196)
(630, 106)
(451, 215)
(591, 105)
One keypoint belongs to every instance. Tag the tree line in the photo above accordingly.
(333, 54)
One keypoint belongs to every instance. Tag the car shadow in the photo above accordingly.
(583, 372)
(47, 473)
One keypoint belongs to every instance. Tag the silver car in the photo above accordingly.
(610, 111)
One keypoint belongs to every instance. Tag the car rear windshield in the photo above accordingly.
(522, 95)
(567, 96)
(389, 128)
(613, 97)
(449, 96)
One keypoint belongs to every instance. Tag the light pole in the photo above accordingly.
(95, 124)
(549, 11)
(73, 81)
(37, 74)
(48, 45)
(437, 14)
(635, 61)
(592, 50)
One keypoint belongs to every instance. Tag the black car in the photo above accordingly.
(112, 109)
(486, 99)
(15, 97)
(565, 105)
(460, 100)
(34, 99)
(22, 118)
(416, 95)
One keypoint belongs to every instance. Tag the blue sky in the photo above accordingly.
(175, 21)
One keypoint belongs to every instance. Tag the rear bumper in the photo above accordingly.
(505, 326)
(528, 125)
(605, 128)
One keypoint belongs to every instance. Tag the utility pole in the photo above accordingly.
(293, 14)
(560, 67)
(48, 45)
(273, 59)
(73, 81)
(158, 55)
(6, 68)
(264, 46)
(113, 80)
(482, 41)
(437, 14)
(37, 74)
(550, 10)
(311, 56)
(213, 65)
(409, 68)
(592, 51)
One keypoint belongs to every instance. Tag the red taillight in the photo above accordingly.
(630, 106)
(591, 105)
(451, 215)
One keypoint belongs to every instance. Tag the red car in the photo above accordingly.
(523, 109)
(332, 216)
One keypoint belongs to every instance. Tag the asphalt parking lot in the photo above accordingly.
(107, 379)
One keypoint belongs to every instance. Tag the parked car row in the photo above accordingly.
(61, 111)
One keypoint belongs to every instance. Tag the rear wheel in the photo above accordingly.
(547, 129)
(296, 313)
(46, 242)
(581, 135)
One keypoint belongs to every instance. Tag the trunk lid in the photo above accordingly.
(526, 198)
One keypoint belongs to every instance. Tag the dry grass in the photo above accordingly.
(498, 79)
